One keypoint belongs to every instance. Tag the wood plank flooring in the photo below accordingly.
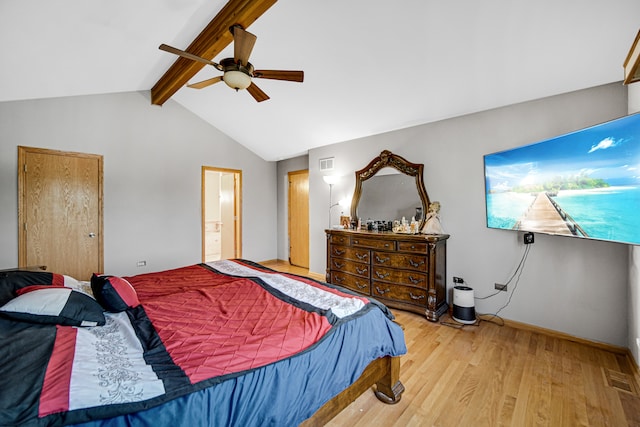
(492, 375)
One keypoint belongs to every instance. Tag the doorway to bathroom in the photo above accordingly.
(221, 213)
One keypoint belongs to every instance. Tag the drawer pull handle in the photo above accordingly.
(337, 264)
(362, 256)
(361, 271)
(386, 245)
(414, 280)
(413, 247)
(415, 264)
(381, 292)
(361, 286)
(355, 242)
(382, 260)
(338, 279)
(415, 297)
(338, 252)
(382, 275)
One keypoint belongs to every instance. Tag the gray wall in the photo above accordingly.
(570, 285)
(152, 165)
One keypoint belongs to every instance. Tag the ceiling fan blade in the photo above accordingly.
(188, 55)
(292, 76)
(205, 83)
(257, 93)
(243, 42)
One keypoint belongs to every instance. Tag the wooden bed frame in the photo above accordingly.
(383, 372)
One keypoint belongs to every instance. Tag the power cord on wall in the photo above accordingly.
(516, 274)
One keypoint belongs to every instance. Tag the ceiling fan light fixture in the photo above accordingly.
(236, 79)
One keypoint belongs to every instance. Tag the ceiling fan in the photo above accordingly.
(238, 71)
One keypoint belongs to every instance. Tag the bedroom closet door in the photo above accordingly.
(299, 218)
(60, 211)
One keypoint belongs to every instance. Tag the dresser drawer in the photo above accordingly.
(411, 262)
(413, 278)
(347, 266)
(361, 255)
(339, 239)
(355, 283)
(374, 243)
(406, 272)
(399, 293)
(412, 247)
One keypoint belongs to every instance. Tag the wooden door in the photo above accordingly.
(299, 218)
(60, 211)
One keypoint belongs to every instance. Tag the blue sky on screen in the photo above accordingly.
(610, 151)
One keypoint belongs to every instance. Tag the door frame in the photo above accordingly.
(22, 198)
(237, 207)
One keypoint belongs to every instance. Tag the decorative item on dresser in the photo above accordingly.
(405, 271)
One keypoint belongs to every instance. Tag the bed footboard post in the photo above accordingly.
(389, 389)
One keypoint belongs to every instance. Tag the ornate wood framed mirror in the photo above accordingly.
(389, 188)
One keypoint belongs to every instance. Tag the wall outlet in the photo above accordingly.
(458, 280)
(528, 238)
(501, 287)
(141, 263)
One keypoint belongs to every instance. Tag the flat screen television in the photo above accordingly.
(583, 184)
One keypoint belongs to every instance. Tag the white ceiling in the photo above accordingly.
(370, 66)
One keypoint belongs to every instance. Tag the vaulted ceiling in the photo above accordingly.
(371, 66)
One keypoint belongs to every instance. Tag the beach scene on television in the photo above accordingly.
(583, 184)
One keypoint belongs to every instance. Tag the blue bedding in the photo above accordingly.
(284, 393)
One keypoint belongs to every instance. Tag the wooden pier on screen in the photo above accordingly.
(545, 215)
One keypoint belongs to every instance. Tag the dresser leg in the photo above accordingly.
(434, 315)
(431, 313)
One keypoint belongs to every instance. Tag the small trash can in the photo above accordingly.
(464, 310)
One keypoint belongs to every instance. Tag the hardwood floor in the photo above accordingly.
(492, 375)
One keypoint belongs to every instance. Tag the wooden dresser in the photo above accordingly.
(402, 271)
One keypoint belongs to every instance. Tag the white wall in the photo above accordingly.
(570, 285)
(634, 258)
(152, 165)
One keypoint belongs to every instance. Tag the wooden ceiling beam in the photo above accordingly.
(632, 63)
(209, 43)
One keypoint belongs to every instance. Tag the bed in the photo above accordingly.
(227, 343)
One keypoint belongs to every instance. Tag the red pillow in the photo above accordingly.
(114, 293)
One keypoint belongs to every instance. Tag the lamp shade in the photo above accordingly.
(345, 203)
(331, 179)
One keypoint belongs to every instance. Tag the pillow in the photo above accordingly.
(114, 293)
(11, 281)
(54, 305)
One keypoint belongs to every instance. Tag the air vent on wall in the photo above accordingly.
(326, 164)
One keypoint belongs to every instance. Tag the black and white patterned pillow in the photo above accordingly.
(54, 305)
